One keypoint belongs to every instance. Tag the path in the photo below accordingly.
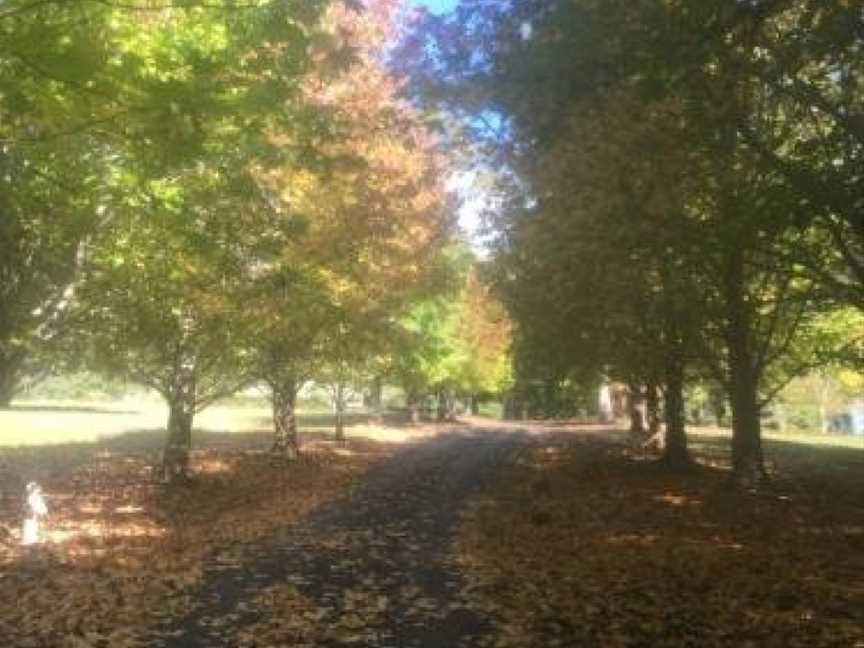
(376, 565)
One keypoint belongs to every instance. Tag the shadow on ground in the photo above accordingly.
(388, 542)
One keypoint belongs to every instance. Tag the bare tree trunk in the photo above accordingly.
(442, 406)
(652, 407)
(747, 459)
(9, 378)
(175, 459)
(634, 411)
(286, 442)
(412, 399)
(376, 398)
(475, 405)
(675, 454)
(339, 407)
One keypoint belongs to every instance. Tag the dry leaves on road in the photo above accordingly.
(123, 554)
(580, 543)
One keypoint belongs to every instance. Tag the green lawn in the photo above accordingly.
(809, 458)
(34, 423)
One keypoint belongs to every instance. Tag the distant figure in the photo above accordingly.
(35, 511)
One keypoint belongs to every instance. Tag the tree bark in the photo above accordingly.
(9, 378)
(175, 460)
(675, 453)
(442, 406)
(747, 461)
(652, 408)
(411, 402)
(339, 407)
(182, 399)
(508, 411)
(634, 411)
(475, 405)
(286, 441)
(376, 398)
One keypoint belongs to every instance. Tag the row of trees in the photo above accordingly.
(204, 196)
(683, 181)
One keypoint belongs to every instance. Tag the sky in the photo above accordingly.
(437, 6)
(462, 184)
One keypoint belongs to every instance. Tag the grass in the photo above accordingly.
(36, 423)
(816, 439)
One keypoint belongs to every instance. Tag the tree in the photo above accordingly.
(44, 229)
(162, 298)
(372, 214)
(677, 85)
(482, 333)
(101, 100)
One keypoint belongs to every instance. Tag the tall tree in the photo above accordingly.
(373, 215)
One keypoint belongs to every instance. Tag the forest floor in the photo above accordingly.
(433, 536)
(584, 541)
(121, 553)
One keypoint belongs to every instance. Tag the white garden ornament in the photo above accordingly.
(36, 509)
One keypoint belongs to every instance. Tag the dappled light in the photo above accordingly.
(607, 537)
(431, 323)
(119, 540)
(678, 500)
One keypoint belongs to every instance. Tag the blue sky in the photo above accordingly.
(462, 184)
(438, 6)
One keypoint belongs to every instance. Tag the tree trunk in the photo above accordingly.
(7, 393)
(8, 380)
(475, 405)
(442, 406)
(411, 402)
(652, 408)
(747, 463)
(508, 411)
(339, 407)
(675, 454)
(175, 460)
(376, 398)
(286, 442)
(634, 411)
